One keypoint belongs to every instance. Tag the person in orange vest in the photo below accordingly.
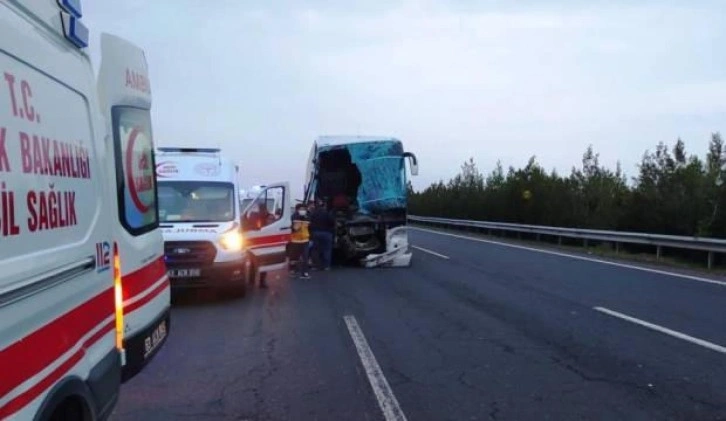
(300, 240)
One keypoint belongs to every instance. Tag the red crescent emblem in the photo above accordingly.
(130, 174)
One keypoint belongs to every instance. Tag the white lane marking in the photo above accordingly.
(587, 259)
(661, 329)
(386, 399)
(431, 252)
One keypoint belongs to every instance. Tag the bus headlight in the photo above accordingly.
(232, 240)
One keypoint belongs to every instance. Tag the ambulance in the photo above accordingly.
(78, 302)
(199, 209)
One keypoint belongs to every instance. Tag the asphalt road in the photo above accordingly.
(477, 331)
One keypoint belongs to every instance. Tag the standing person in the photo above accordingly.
(322, 228)
(300, 240)
(311, 244)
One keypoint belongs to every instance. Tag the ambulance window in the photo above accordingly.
(244, 203)
(266, 209)
(275, 198)
(135, 176)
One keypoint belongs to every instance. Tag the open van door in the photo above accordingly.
(266, 224)
(144, 299)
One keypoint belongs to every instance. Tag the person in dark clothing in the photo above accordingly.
(322, 229)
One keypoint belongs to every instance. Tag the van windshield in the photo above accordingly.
(196, 201)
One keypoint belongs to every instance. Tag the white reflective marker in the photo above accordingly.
(710, 345)
(386, 399)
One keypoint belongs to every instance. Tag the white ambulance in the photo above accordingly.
(64, 311)
(199, 209)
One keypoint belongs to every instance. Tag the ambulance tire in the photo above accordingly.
(70, 400)
(238, 291)
(72, 409)
(251, 271)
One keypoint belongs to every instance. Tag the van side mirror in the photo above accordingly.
(412, 162)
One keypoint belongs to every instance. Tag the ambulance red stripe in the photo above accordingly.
(141, 280)
(146, 299)
(277, 239)
(30, 355)
(31, 394)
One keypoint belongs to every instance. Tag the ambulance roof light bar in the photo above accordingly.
(73, 29)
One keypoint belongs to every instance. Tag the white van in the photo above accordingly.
(62, 330)
(125, 93)
(199, 209)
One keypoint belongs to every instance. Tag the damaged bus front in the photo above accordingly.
(363, 182)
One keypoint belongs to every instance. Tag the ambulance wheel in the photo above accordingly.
(239, 291)
(251, 270)
(71, 409)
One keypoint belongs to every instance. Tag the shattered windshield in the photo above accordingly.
(383, 183)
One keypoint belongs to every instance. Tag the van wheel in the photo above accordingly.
(226, 293)
(239, 291)
(71, 409)
(251, 270)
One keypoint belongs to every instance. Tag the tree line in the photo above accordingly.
(673, 193)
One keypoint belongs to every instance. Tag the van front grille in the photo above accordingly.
(189, 252)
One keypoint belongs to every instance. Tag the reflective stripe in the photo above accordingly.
(142, 300)
(140, 281)
(32, 354)
(268, 240)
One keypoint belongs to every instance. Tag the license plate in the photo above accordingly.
(155, 338)
(184, 273)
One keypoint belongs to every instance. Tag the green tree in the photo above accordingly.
(673, 193)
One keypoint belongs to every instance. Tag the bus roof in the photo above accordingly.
(346, 140)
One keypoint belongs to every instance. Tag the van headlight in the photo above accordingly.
(232, 240)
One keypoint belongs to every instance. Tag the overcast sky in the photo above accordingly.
(451, 79)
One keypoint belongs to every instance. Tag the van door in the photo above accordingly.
(267, 227)
(125, 94)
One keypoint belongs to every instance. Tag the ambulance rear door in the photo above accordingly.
(125, 96)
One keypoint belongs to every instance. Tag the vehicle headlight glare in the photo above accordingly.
(232, 241)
